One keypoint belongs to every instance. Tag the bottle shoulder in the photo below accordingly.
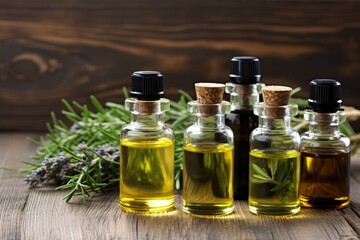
(281, 140)
(197, 135)
(339, 141)
(133, 131)
(197, 129)
(288, 132)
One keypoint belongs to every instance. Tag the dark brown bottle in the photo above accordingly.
(325, 151)
(244, 90)
(325, 178)
(241, 121)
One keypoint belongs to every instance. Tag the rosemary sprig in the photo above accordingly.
(281, 176)
(89, 167)
(90, 170)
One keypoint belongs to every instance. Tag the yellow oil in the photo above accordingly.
(325, 179)
(283, 170)
(147, 175)
(208, 179)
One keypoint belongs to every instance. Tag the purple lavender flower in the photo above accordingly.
(80, 165)
(62, 159)
(38, 173)
(74, 127)
(55, 166)
(81, 147)
(99, 150)
(47, 163)
(29, 179)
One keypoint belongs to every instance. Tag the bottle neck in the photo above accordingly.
(281, 124)
(209, 115)
(243, 96)
(276, 118)
(324, 124)
(147, 114)
(243, 102)
(147, 120)
(214, 121)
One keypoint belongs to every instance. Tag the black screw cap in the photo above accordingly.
(147, 85)
(325, 95)
(245, 70)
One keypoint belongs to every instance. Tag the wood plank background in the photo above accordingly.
(71, 49)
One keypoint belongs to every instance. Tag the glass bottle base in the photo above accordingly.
(274, 210)
(208, 209)
(147, 205)
(340, 202)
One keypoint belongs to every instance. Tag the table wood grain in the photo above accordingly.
(40, 213)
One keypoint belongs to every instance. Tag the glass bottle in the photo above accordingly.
(244, 89)
(325, 152)
(147, 148)
(208, 155)
(274, 170)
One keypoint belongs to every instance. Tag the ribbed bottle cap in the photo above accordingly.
(147, 85)
(325, 95)
(245, 70)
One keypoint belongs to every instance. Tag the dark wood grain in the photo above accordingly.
(72, 49)
(40, 213)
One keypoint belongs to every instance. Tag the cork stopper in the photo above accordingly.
(209, 96)
(209, 93)
(276, 95)
(274, 98)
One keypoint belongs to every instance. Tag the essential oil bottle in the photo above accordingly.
(147, 148)
(274, 170)
(325, 152)
(208, 155)
(244, 89)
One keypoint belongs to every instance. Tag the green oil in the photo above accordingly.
(208, 179)
(274, 182)
(147, 175)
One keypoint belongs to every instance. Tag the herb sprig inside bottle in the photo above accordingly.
(274, 156)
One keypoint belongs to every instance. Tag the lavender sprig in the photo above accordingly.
(83, 145)
(83, 171)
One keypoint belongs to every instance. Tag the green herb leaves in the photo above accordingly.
(279, 172)
(87, 168)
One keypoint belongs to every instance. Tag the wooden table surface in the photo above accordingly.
(41, 213)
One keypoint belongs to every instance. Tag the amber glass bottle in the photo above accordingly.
(244, 89)
(325, 152)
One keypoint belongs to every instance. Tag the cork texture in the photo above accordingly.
(274, 98)
(276, 95)
(209, 93)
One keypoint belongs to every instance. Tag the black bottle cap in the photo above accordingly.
(325, 95)
(147, 85)
(245, 70)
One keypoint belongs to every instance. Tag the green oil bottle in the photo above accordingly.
(147, 149)
(208, 155)
(274, 182)
(274, 167)
(207, 170)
